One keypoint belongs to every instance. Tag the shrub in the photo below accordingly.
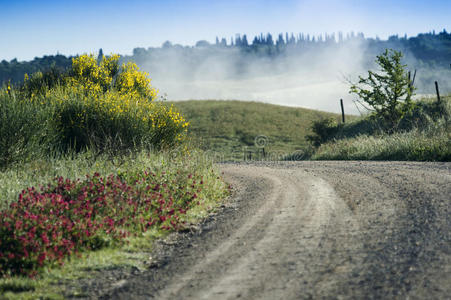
(96, 104)
(425, 113)
(388, 93)
(41, 82)
(323, 131)
(99, 77)
(113, 121)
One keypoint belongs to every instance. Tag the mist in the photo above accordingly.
(315, 78)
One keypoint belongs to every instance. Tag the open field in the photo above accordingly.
(229, 129)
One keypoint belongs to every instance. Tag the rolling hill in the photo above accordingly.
(232, 129)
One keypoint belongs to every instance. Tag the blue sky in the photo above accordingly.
(36, 28)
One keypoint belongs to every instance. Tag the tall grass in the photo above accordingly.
(414, 145)
(423, 135)
(76, 165)
(24, 129)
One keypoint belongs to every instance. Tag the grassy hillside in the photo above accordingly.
(230, 128)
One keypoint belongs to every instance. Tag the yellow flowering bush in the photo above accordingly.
(106, 75)
(133, 82)
(98, 103)
(86, 73)
(116, 120)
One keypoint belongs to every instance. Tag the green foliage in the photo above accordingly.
(15, 71)
(41, 82)
(388, 93)
(323, 131)
(426, 112)
(114, 123)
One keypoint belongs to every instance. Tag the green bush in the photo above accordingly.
(425, 113)
(388, 92)
(423, 134)
(323, 131)
(41, 82)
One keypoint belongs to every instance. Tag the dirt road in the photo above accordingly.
(313, 230)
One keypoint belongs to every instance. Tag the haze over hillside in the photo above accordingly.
(314, 79)
(293, 70)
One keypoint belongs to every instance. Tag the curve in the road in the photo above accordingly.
(318, 230)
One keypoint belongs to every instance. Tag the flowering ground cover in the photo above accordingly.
(47, 225)
(64, 227)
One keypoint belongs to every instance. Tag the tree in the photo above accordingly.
(244, 41)
(280, 42)
(387, 93)
(166, 45)
(269, 40)
(202, 44)
(238, 40)
(100, 56)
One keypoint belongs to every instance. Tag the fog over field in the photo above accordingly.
(314, 80)
(316, 77)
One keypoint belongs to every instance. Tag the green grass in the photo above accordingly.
(424, 135)
(23, 129)
(412, 146)
(229, 128)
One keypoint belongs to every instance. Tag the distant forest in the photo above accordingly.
(429, 51)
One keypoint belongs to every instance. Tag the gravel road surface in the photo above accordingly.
(312, 230)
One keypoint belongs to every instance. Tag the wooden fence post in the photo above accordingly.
(437, 91)
(342, 111)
